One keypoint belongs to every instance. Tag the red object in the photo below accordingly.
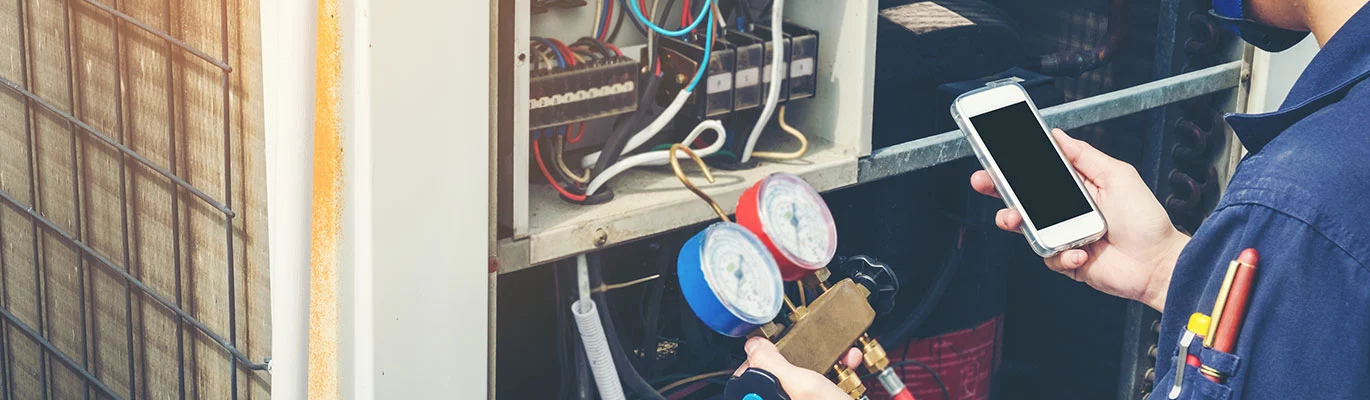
(607, 18)
(903, 395)
(1234, 311)
(1193, 361)
(749, 216)
(579, 134)
(1249, 257)
(965, 360)
(537, 153)
(685, 14)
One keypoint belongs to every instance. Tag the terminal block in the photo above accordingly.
(586, 91)
(801, 60)
(713, 95)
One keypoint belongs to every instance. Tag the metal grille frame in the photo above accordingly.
(188, 325)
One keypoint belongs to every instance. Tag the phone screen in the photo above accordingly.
(1025, 156)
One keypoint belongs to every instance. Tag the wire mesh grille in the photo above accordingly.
(118, 276)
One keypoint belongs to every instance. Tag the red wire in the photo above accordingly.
(609, 16)
(579, 134)
(614, 48)
(685, 18)
(565, 52)
(537, 153)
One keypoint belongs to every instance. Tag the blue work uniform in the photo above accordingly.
(1301, 197)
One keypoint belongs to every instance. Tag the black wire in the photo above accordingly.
(562, 358)
(928, 302)
(614, 144)
(946, 394)
(627, 374)
(628, 15)
(598, 45)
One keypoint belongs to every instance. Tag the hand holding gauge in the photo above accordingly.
(732, 274)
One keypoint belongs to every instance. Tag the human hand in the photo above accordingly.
(1135, 258)
(799, 383)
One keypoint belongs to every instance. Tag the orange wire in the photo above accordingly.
(537, 153)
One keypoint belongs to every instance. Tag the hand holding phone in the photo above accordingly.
(1136, 256)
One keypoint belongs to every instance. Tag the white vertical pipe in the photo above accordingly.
(288, 82)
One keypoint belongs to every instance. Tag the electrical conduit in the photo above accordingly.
(592, 337)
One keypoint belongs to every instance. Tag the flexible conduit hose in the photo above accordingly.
(592, 337)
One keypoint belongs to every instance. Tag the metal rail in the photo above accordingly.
(949, 146)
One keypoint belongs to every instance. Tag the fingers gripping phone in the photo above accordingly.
(1032, 176)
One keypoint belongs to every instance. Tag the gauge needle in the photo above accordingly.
(794, 220)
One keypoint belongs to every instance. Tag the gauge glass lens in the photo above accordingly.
(740, 271)
(797, 221)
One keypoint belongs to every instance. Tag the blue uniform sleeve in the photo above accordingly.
(1306, 332)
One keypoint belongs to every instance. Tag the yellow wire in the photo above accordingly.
(545, 58)
(695, 378)
(803, 143)
(561, 162)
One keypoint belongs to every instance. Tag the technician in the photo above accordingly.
(1301, 198)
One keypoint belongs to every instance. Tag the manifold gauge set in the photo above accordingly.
(732, 273)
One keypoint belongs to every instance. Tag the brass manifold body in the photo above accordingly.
(820, 333)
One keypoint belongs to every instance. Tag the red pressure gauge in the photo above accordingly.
(792, 221)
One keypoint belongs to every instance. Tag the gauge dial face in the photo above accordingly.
(797, 221)
(741, 272)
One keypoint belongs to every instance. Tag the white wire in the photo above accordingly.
(661, 157)
(599, 12)
(772, 95)
(646, 133)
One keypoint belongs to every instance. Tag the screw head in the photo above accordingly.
(601, 237)
(494, 265)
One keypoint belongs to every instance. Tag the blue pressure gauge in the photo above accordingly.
(730, 279)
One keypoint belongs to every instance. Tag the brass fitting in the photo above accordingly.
(769, 331)
(873, 354)
(849, 382)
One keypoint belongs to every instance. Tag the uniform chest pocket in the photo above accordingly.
(1193, 384)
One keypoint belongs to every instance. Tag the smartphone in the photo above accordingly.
(1033, 177)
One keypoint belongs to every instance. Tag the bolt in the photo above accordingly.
(601, 237)
(680, 78)
(494, 265)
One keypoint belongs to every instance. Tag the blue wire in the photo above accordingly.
(604, 15)
(708, 47)
(561, 62)
(648, 23)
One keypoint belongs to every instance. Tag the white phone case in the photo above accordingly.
(1034, 240)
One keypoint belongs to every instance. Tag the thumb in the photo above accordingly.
(1091, 163)
(763, 354)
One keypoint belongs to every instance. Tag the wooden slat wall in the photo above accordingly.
(167, 105)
